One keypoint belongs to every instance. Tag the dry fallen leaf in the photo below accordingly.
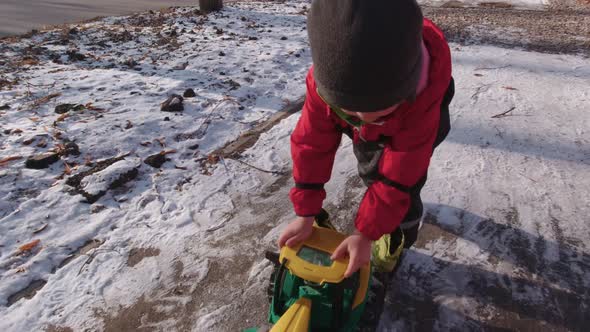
(29, 246)
(34, 119)
(93, 108)
(62, 117)
(168, 152)
(5, 161)
(146, 143)
(212, 159)
(20, 270)
(161, 141)
(67, 169)
(509, 88)
(40, 229)
(11, 158)
(45, 99)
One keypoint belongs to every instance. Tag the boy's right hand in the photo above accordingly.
(296, 232)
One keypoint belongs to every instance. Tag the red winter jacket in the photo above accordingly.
(399, 149)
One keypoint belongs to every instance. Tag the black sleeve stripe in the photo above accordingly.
(394, 184)
(309, 186)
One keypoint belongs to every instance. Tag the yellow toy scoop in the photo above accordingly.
(296, 319)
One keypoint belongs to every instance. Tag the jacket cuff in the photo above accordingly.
(367, 230)
(307, 203)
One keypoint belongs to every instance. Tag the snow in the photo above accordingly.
(507, 197)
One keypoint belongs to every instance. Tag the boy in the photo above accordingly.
(381, 75)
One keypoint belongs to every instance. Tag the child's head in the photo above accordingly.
(366, 53)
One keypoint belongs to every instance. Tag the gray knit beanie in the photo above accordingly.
(367, 54)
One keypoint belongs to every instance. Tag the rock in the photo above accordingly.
(75, 180)
(96, 208)
(193, 147)
(189, 93)
(233, 84)
(41, 161)
(221, 53)
(73, 31)
(64, 108)
(297, 55)
(156, 160)
(181, 66)
(167, 118)
(131, 63)
(283, 38)
(95, 185)
(42, 143)
(29, 141)
(4, 107)
(252, 38)
(173, 104)
(71, 148)
(73, 55)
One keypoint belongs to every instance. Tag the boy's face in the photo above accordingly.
(370, 117)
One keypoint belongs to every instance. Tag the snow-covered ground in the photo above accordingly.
(180, 247)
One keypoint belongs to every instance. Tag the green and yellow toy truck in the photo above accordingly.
(308, 291)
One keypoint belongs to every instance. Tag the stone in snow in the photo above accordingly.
(41, 161)
(64, 108)
(73, 55)
(156, 160)
(173, 104)
(189, 93)
(94, 186)
(71, 148)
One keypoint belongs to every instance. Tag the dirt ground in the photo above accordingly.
(555, 31)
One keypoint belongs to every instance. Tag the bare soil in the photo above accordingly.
(555, 31)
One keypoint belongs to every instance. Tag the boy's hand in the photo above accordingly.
(297, 231)
(358, 248)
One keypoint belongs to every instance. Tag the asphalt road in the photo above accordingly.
(20, 16)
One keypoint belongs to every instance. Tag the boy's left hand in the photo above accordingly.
(358, 249)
